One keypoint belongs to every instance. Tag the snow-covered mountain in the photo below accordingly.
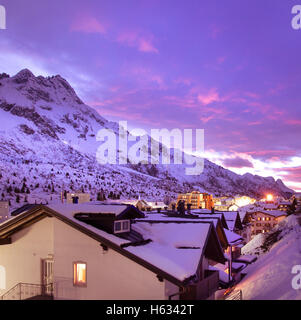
(48, 142)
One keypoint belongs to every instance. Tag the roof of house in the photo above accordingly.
(233, 220)
(114, 209)
(271, 206)
(274, 213)
(175, 250)
(155, 204)
(166, 255)
(284, 203)
(177, 218)
(215, 215)
(233, 238)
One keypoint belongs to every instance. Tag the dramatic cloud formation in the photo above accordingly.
(87, 24)
(175, 64)
(237, 163)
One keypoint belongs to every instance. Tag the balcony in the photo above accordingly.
(208, 286)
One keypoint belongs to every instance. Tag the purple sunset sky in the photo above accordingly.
(230, 67)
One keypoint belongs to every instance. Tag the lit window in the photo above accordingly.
(122, 226)
(80, 274)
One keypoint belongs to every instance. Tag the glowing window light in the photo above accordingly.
(80, 274)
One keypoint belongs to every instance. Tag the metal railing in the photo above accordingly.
(23, 291)
(234, 295)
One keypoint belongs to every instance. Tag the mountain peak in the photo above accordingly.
(23, 76)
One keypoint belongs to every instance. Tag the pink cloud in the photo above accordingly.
(134, 39)
(87, 24)
(293, 122)
(272, 153)
(208, 98)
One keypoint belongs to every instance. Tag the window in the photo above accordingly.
(258, 218)
(80, 274)
(122, 226)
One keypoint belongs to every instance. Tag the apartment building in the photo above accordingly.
(197, 200)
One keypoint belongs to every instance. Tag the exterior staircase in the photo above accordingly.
(29, 291)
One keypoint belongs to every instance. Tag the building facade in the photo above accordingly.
(264, 221)
(197, 200)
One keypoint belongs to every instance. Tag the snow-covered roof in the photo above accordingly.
(270, 206)
(161, 217)
(223, 276)
(274, 213)
(200, 211)
(175, 250)
(68, 212)
(155, 204)
(247, 258)
(232, 237)
(71, 209)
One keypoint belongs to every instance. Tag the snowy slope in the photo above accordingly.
(48, 137)
(270, 277)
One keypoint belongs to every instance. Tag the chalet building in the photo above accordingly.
(77, 198)
(4, 211)
(223, 203)
(197, 200)
(90, 251)
(263, 221)
(284, 205)
(230, 242)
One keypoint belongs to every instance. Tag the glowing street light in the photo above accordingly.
(270, 197)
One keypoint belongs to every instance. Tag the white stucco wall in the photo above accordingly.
(22, 258)
(109, 274)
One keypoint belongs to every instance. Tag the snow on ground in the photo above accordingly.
(270, 277)
(253, 246)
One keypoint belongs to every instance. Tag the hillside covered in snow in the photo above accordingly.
(271, 276)
(48, 143)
